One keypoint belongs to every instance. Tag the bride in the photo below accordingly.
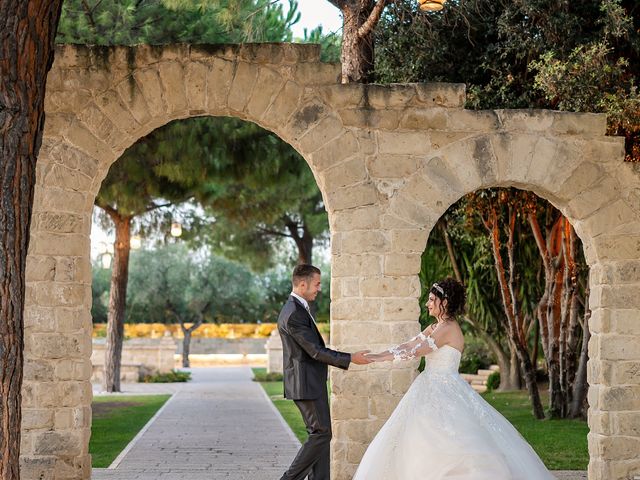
(442, 429)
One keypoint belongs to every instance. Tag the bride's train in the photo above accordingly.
(442, 429)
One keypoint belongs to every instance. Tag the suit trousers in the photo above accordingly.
(313, 457)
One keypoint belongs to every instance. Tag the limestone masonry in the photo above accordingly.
(389, 161)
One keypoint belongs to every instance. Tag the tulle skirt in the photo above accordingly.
(442, 429)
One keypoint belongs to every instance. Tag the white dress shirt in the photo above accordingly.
(304, 303)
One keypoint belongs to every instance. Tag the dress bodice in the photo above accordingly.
(445, 359)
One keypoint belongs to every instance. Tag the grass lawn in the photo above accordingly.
(562, 444)
(287, 408)
(116, 420)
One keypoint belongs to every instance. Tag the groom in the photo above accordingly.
(305, 360)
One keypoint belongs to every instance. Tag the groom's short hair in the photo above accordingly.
(303, 272)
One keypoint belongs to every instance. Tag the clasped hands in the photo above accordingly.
(364, 357)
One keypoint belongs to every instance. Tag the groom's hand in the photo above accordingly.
(359, 358)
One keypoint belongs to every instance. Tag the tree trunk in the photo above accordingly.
(303, 242)
(117, 302)
(578, 408)
(359, 18)
(186, 344)
(27, 33)
(510, 304)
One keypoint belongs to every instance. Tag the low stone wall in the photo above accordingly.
(139, 356)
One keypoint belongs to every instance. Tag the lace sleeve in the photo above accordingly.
(411, 349)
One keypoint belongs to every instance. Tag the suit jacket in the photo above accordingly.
(304, 354)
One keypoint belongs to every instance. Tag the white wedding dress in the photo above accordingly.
(442, 429)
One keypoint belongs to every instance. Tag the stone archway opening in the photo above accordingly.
(509, 245)
(388, 160)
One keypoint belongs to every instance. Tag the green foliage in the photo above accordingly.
(171, 283)
(476, 356)
(170, 377)
(330, 44)
(586, 54)
(100, 287)
(261, 375)
(156, 22)
(493, 382)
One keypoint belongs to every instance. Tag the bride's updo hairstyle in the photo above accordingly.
(453, 291)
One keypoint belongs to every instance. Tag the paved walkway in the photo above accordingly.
(219, 426)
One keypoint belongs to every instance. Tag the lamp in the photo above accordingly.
(431, 5)
(106, 260)
(136, 242)
(176, 229)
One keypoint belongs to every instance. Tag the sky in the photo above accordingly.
(314, 13)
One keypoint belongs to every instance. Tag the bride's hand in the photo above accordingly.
(379, 357)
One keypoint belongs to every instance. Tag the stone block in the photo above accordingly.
(196, 86)
(409, 241)
(609, 218)
(283, 107)
(626, 423)
(150, 86)
(242, 85)
(114, 108)
(328, 129)
(173, 87)
(390, 286)
(355, 309)
(134, 100)
(618, 347)
(66, 178)
(348, 173)
(348, 265)
(60, 199)
(38, 369)
(335, 151)
(369, 118)
(425, 119)
(616, 247)
(37, 418)
(363, 218)
(355, 196)
(350, 407)
(619, 398)
(400, 309)
(269, 83)
(391, 166)
(219, 79)
(39, 319)
(402, 264)
(55, 244)
(61, 442)
(40, 267)
(449, 95)
(62, 222)
(403, 143)
(362, 241)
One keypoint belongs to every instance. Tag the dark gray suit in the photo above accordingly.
(305, 360)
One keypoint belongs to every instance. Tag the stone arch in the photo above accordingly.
(556, 156)
(373, 150)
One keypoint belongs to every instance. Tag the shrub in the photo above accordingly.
(476, 355)
(267, 377)
(169, 377)
(493, 382)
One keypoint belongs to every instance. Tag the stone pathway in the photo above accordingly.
(219, 426)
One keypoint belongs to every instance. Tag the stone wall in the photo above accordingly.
(151, 356)
(389, 161)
